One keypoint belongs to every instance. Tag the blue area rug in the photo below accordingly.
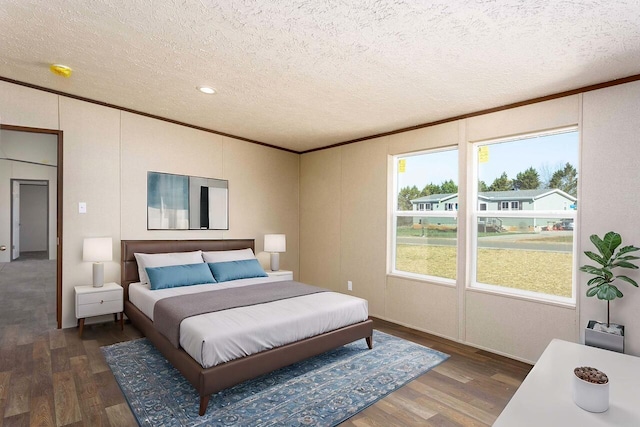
(322, 391)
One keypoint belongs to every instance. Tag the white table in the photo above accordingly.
(544, 398)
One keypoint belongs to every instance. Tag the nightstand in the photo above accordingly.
(281, 275)
(91, 301)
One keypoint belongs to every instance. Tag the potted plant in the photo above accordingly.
(591, 389)
(610, 258)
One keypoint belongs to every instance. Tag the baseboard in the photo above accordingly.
(455, 339)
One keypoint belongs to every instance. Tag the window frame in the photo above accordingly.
(475, 214)
(429, 212)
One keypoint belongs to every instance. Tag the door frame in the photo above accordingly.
(21, 182)
(59, 135)
(12, 219)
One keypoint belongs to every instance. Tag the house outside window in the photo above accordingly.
(424, 206)
(505, 206)
(534, 256)
(424, 240)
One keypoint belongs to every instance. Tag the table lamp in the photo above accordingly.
(96, 250)
(275, 243)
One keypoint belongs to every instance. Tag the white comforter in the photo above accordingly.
(222, 336)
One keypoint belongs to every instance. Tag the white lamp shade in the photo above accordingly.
(97, 249)
(275, 243)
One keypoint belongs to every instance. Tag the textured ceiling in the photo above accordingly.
(302, 74)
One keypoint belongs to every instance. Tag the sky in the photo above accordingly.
(550, 152)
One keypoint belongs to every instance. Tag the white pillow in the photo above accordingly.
(164, 260)
(225, 256)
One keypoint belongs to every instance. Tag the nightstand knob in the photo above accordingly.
(101, 301)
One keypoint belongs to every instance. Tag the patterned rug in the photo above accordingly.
(322, 391)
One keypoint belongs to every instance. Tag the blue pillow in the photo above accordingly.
(173, 276)
(233, 270)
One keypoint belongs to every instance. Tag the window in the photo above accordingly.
(424, 206)
(505, 206)
(534, 254)
(425, 237)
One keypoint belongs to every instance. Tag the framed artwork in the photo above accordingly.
(181, 202)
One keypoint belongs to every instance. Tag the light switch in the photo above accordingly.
(82, 207)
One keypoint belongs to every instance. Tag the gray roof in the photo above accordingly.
(522, 194)
(498, 195)
(434, 198)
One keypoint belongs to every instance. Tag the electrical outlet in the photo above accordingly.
(349, 285)
(82, 207)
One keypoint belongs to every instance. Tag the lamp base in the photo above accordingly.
(275, 261)
(98, 274)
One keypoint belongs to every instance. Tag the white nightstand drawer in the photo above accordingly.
(97, 297)
(99, 308)
(91, 301)
(280, 275)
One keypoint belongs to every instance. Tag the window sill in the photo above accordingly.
(449, 283)
(523, 296)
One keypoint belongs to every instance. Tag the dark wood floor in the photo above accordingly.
(54, 378)
(470, 389)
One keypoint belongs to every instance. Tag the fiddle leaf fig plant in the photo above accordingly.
(609, 259)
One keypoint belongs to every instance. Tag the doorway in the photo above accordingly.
(31, 224)
(30, 237)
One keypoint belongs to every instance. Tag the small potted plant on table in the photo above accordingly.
(599, 334)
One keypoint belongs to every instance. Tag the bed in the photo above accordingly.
(212, 379)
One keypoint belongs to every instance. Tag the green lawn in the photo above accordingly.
(537, 271)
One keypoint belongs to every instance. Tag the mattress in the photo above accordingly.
(219, 337)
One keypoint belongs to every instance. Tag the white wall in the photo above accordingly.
(33, 217)
(107, 154)
(608, 200)
(510, 326)
(39, 148)
(426, 306)
(335, 246)
(91, 160)
(263, 197)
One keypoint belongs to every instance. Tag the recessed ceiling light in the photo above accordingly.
(61, 70)
(206, 89)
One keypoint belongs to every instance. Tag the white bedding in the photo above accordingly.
(222, 336)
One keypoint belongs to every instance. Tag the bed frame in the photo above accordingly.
(211, 380)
